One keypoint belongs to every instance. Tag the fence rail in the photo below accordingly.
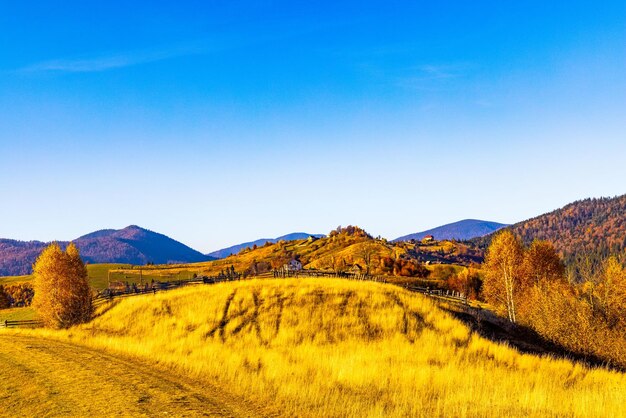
(331, 274)
(28, 323)
(439, 293)
(133, 290)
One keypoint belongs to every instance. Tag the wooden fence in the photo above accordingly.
(131, 290)
(435, 293)
(28, 323)
(439, 293)
(134, 290)
(329, 274)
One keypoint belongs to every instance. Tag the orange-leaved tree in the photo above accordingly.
(62, 293)
(542, 262)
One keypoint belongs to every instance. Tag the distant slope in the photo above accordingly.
(349, 249)
(593, 227)
(17, 257)
(225, 252)
(462, 230)
(135, 245)
(131, 245)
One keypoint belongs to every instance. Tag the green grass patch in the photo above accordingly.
(18, 314)
(443, 271)
(98, 275)
(15, 279)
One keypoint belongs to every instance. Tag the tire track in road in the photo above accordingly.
(45, 377)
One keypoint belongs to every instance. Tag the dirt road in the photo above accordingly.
(43, 377)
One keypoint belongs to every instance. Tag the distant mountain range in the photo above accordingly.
(225, 252)
(461, 230)
(131, 245)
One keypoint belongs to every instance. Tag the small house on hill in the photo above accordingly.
(428, 238)
(293, 265)
(117, 286)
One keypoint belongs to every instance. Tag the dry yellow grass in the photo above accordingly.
(44, 377)
(340, 348)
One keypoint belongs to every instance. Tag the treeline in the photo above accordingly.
(529, 284)
(403, 267)
(16, 295)
(350, 230)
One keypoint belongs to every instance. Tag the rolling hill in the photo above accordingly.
(461, 230)
(131, 245)
(225, 252)
(349, 249)
(330, 347)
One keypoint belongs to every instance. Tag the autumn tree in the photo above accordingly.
(386, 264)
(588, 318)
(468, 282)
(541, 262)
(62, 293)
(20, 294)
(366, 253)
(5, 301)
(611, 292)
(502, 271)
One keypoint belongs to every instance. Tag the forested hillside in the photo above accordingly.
(584, 232)
(592, 228)
(17, 257)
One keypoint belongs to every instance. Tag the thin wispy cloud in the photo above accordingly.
(112, 61)
(431, 77)
(124, 59)
(438, 72)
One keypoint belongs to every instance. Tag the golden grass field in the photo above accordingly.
(330, 347)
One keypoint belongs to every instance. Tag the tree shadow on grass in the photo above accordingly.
(522, 338)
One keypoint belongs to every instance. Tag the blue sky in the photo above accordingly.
(221, 122)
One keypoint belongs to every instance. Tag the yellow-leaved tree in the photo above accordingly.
(612, 293)
(503, 272)
(62, 293)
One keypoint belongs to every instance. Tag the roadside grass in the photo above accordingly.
(331, 347)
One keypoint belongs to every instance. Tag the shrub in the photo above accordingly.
(20, 294)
